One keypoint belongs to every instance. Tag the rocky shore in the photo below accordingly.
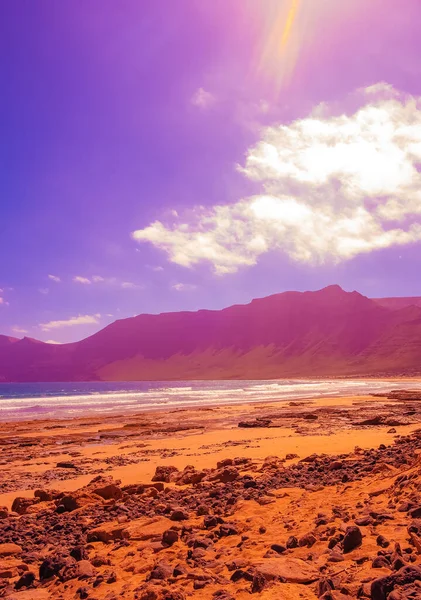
(248, 524)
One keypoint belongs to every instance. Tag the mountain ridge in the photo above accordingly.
(328, 332)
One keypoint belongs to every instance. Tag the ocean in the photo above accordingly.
(28, 401)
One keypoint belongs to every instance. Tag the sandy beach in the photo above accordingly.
(211, 502)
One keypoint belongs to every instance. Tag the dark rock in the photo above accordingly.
(255, 423)
(292, 542)
(307, 540)
(25, 581)
(169, 537)
(380, 562)
(352, 539)
(179, 515)
(279, 548)
(382, 541)
(382, 587)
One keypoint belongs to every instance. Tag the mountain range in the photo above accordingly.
(329, 333)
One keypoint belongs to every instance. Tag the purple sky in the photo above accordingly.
(160, 155)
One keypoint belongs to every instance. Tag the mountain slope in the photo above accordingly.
(325, 333)
(397, 303)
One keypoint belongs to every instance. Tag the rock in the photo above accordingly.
(79, 553)
(324, 585)
(169, 537)
(109, 492)
(222, 595)
(179, 515)
(227, 529)
(279, 548)
(202, 510)
(415, 513)
(335, 556)
(382, 541)
(26, 580)
(292, 542)
(226, 462)
(64, 464)
(54, 564)
(4, 512)
(107, 533)
(382, 587)
(211, 521)
(255, 423)
(392, 430)
(43, 495)
(290, 570)
(85, 570)
(72, 502)
(226, 475)
(259, 583)
(20, 505)
(364, 521)
(162, 570)
(10, 549)
(307, 540)
(190, 476)
(379, 562)
(164, 473)
(352, 539)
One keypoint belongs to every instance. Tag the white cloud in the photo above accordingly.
(203, 99)
(44, 291)
(19, 330)
(2, 301)
(83, 280)
(332, 187)
(71, 322)
(129, 285)
(52, 342)
(54, 278)
(97, 279)
(184, 287)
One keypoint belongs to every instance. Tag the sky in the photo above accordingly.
(174, 155)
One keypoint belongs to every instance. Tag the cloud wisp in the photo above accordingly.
(125, 285)
(203, 99)
(333, 186)
(71, 322)
(184, 287)
(54, 278)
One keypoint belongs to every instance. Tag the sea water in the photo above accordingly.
(27, 401)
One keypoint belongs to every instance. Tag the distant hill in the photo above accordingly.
(396, 303)
(327, 333)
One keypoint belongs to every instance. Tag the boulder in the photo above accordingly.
(9, 549)
(352, 539)
(290, 570)
(109, 492)
(164, 473)
(20, 505)
(382, 587)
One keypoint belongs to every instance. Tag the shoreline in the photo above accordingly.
(299, 396)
